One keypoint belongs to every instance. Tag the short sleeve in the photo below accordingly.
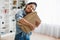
(19, 15)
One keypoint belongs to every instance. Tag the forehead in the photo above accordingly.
(31, 5)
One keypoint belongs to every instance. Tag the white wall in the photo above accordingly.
(48, 11)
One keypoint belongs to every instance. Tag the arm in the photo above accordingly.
(25, 22)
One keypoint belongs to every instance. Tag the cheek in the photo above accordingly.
(28, 10)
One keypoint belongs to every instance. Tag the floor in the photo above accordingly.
(34, 36)
(37, 36)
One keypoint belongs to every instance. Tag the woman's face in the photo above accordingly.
(30, 8)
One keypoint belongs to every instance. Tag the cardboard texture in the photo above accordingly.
(31, 17)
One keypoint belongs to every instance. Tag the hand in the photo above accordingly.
(38, 22)
(32, 27)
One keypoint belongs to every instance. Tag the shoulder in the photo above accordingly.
(19, 11)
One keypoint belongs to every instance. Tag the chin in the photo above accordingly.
(28, 12)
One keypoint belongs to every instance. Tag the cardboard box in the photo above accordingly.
(31, 17)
